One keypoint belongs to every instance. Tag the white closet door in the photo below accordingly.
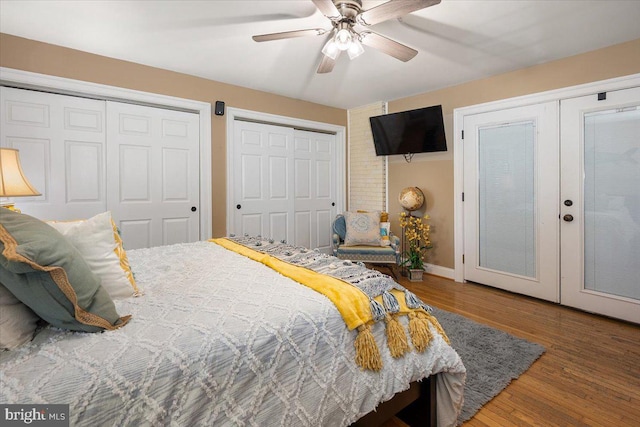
(263, 181)
(511, 199)
(601, 203)
(153, 176)
(314, 189)
(284, 184)
(61, 140)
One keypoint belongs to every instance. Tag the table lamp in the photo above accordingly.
(13, 183)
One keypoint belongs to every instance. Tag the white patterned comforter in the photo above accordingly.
(218, 339)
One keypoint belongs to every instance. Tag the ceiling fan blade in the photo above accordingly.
(327, 8)
(326, 65)
(391, 10)
(388, 46)
(289, 34)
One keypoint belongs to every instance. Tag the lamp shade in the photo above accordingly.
(13, 183)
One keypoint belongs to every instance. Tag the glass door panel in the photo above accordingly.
(507, 198)
(612, 201)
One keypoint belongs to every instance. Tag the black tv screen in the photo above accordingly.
(409, 132)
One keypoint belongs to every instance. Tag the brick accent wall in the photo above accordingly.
(367, 172)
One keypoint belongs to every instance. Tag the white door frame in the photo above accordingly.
(28, 80)
(240, 114)
(458, 158)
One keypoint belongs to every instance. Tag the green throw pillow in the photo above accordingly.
(44, 271)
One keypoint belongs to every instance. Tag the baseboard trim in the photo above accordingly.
(437, 270)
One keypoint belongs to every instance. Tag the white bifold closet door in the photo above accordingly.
(87, 156)
(62, 144)
(314, 188)
(153, 177)
(284, 184)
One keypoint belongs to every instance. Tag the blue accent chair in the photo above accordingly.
(367, 254)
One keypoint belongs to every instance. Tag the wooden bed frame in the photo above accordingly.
(415, 406)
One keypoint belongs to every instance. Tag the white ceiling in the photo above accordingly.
(457, 40)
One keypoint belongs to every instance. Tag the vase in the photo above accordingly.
(415, 274)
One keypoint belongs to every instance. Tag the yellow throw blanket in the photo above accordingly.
(354, 307)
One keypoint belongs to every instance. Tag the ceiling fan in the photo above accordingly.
(349, 31)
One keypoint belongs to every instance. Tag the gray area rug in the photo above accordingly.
(493, 358)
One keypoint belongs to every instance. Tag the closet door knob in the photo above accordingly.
(238, 206)
(568, 217)
(193, 209)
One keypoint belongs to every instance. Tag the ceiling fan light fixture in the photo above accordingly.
(330, 49)
(345, 17)
(355, 49)
(343, 39)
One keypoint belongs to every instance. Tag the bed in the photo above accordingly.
(217, 338)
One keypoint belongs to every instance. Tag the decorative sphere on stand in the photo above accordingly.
(411, 198)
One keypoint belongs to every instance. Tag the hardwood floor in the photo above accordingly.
(588, 376)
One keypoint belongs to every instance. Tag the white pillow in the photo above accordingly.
(363, 228)
(17, 321)
(98, 241)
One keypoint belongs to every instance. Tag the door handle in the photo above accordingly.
(193, 209)
(568, 217)
(238, 206)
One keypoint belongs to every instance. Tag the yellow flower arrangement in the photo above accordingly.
(416, 233)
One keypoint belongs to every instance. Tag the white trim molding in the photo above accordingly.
(234, 114)
(60, 85)
(536, 98)
(438, 270)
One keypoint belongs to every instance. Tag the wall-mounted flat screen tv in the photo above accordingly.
(409, 132)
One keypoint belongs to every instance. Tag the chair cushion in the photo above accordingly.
(372, 254)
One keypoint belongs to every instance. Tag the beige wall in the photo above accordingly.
(433, 173)
(29, 55)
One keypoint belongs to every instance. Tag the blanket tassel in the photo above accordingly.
(367, 353)
(390, 302)
(431, 318)
(396, 337)
(419, 331)
(411, 299)
(377, 310)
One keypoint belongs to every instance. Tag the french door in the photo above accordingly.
(600, 203)
(552, 201)
(511, 199)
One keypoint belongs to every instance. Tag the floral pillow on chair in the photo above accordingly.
(363, 228)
